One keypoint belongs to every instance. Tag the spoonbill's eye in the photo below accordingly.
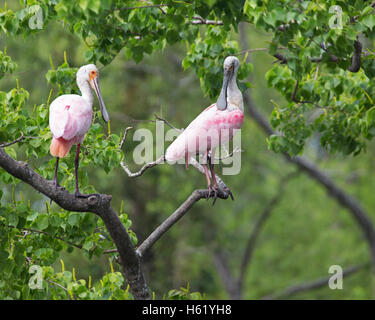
(93, 74)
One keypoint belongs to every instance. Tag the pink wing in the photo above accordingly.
(211, 128)
(70, 117)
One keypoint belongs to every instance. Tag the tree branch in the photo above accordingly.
(7, 144)
(333, 190)
(356, 59)
(311, 285)
(173, 218)
(253, 237)
(143, 169)
(47, 234)
(98, 204)
(200, 20)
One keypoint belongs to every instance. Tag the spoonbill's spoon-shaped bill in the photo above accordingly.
(94, 82)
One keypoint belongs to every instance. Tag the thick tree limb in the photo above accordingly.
(98, 204)
(311, 285)
(174, 217)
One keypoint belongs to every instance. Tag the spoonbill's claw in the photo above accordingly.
(212, 192)
(227, 190)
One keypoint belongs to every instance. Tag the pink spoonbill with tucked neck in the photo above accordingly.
(214, 126)
(70, 118)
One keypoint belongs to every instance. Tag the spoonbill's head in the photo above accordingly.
(231, 65)
(89, 73)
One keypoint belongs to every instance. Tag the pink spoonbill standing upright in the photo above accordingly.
(70, 118)
(216, 124)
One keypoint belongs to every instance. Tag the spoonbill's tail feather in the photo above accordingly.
(60, 147)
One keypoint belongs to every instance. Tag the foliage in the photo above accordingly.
(321, 97)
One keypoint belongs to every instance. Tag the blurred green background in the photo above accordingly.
(306, 231)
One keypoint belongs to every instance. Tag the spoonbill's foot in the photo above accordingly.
(57, 185)
(227, 190)
(212, 192)
(78, 194)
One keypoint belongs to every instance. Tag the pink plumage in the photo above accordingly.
(214, 126)
(211, 128)
(70, 118)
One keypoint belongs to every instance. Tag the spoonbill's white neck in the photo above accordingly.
(86, 91)
(234, 95)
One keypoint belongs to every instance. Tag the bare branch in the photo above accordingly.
(7, 144)
(228, 154)
(174, 217)
(125, 135)
(281, 58)
(295, 91)
(311, 285)
(167, 122)
(143, 169)
(251, 243)
(200, 20)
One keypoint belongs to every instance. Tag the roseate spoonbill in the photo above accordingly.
(213, 126)
(70, 118)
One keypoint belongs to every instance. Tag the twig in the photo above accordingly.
(229, 154)
(167, 122)
(200, 20)
(295, 91)
(148, 165)
(6, 144)
(125, 135)
(49, 235)
(56, 284)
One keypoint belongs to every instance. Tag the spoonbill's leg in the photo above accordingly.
(55, 176)
(206, 173)
(213, 176)
(76, 165)
(214, 188)
(186, 161)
